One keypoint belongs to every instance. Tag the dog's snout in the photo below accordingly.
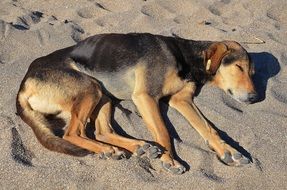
(252, 97)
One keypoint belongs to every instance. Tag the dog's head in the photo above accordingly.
(229, 64)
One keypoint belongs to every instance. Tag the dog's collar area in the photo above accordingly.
(208, 70)
(207, 64)
(213, 56)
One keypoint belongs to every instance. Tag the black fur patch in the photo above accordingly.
(235, 56)
(110, 53)
(190, 59)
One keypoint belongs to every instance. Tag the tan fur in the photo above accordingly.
(172, 82)
(225, 78)
(182, 102)
(104, 132)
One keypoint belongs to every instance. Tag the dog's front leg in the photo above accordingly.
(150, 112)
(182, 102)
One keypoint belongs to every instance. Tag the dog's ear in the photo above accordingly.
(213, 56)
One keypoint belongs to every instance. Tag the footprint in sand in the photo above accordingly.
(225, 1)
(279, 38)
(108, 21)
(214, 10)
(155, 11)
(217, 7)
(92, 11)
(4, 29)
(284, 58)
(279, 92)
(210, 175)
(114, 6)
(77, 31)
(87, 12)
(43, 36)
(26, 21)
(100, 5)
(278, 13)
(229, 16)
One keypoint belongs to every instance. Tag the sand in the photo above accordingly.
(29, 29)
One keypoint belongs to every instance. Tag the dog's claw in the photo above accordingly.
(146, 146)
(166, 165)
(236, 159)
(102, 156)
(227, 158)
(151, 151)
(176, 169)
(119, 157)
(108, 154)
(140, 151)
(115, 155)
(237, 155)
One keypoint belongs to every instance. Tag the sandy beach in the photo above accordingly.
(30, 29)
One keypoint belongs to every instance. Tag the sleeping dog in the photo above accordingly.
(77, 83)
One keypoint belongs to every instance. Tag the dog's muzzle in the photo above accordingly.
(252, 97)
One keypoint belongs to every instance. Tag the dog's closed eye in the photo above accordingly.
(241, 69)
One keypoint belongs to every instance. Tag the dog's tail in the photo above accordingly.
(42, 129)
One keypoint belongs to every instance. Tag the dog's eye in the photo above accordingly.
(241, 69)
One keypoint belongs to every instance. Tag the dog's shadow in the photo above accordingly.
(266, 66)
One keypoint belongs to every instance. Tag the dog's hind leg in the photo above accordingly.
(82, 109)
(182, 102)
(105, 133)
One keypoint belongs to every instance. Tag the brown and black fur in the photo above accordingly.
(77, 83)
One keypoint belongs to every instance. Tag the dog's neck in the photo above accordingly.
(193, 61)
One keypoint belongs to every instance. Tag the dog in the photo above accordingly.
(77, 84)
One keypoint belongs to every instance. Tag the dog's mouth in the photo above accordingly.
(243, 97)
(229, 91)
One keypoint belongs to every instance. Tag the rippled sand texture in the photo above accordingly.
(29, 29)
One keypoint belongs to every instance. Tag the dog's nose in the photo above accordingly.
(252, 97)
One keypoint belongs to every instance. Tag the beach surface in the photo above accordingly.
(30, 29)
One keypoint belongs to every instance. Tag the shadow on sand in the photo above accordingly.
(266, 66)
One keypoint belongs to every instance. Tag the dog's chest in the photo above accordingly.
(172, 83)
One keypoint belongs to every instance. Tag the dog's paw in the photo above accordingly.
(228, 155)
(235, 159)
(114, 153)
(171, 165)
(174, 168)
(148, 150)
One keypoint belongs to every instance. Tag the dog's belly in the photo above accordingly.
(119, 84)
